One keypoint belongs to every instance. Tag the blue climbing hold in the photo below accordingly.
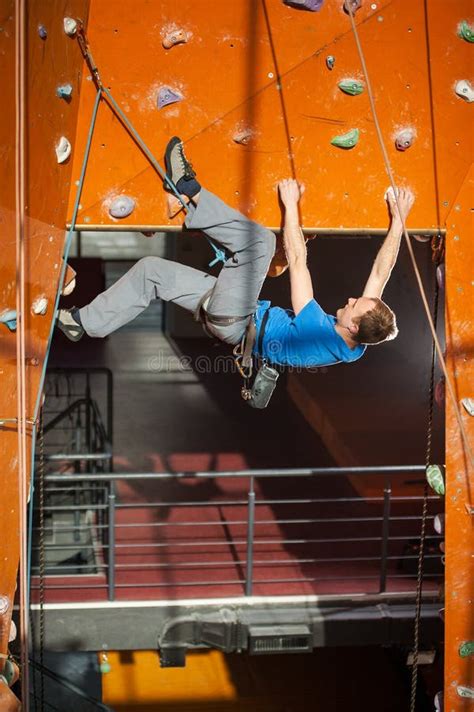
(167, 96)
(311, 5)
(9, 319)
(64, 91)
(42, 31)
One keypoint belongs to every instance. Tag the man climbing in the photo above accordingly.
(303, 337)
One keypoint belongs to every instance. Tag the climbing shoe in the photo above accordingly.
(179, 170)
(70, 323)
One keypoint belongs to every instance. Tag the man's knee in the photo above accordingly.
(149, 265)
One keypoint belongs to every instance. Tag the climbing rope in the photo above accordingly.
(424, 514)
(42, 559)
(220, 255)
(389, 171)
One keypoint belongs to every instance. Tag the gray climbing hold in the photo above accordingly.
(439, 701)
(311, 5)
(8, 318)
(404, 139)
(434, 476)
(70, 26)
(242, 136)
(353, 4)
(466, 31)
(464, 89)
(43, 32)
(347, 140)
(468, 404)
(466, 649)
(351, 86)
(440, 275)
(167, 96)
(122, 207)
(438, 523)
(174, 37)
(330, 61)
(63, 149)
(64, 91)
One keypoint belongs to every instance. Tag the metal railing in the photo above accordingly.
(334, 539)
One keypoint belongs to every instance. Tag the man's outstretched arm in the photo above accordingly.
(388, 253)
(295, 246)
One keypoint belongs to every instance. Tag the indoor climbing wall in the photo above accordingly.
(459, 581)
(52, 60)
(261, 90)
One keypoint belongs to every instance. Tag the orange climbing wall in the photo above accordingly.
(50, 62)
(459, 584)
(262, 65)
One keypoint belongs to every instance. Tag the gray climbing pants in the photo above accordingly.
(235, 291)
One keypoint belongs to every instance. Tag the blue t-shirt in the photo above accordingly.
(306, 340)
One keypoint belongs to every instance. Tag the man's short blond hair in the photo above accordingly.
(377, 325)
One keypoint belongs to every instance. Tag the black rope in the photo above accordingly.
(41, 560)
(421, 554)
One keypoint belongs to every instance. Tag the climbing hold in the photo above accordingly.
(466, 692)
(64, 91)
(330, 61)
(438, 702)
(422, 238)
(312, 5)
(122, 206)
(242, 136)
(40, 306)
(347, 140)
(13, 633)
(9, 319)
(440, 275)
(466, 31)
(466, 649)
(69, 283)
(404, 139)
(351, 86)
(104, 665)
(4, 604)
(468, 404)
(438, 523)
(173, 205)
(70, 26)
(10, 672)
(434, 476)
(63, 149)
(353, 4)
(464, 90)
(166, 96)
(42, 31)
(174, 37)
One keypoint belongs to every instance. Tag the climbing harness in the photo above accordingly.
(220, 255)
(424, 514)
(258, 394)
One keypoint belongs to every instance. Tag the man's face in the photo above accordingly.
(348, 316)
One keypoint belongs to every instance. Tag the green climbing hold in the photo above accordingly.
(466, 649)
(105, 667)
(435, 478)
(466, 31)
(347, 140)
(351, 86)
